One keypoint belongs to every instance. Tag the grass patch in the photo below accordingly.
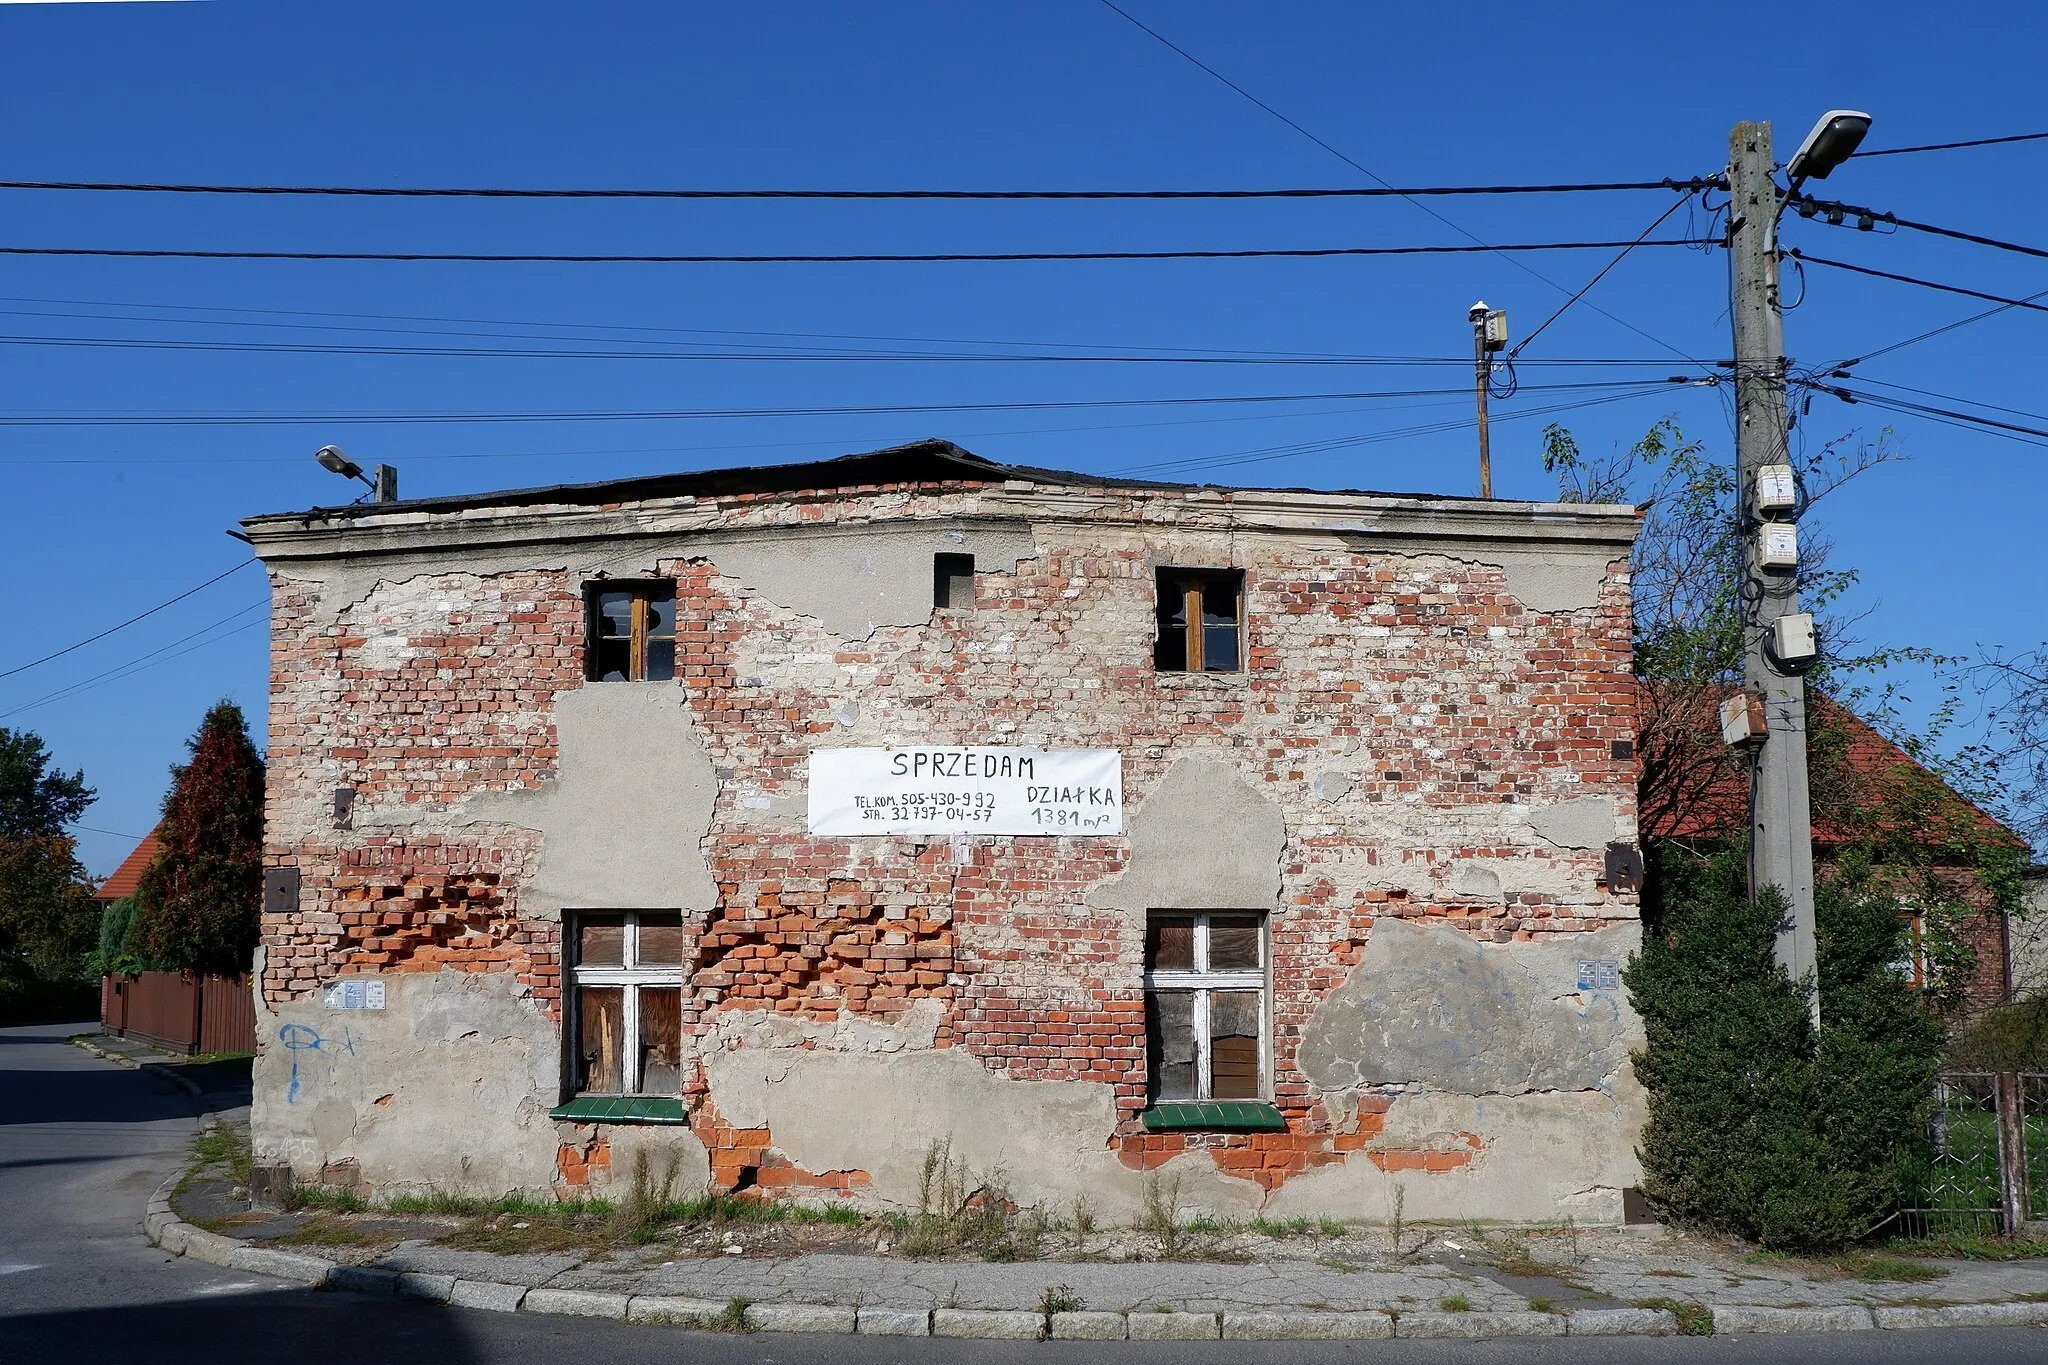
(1887, 1270)
(1670, 1274)
(326, 1231)
(731, 1318)
(220, 1147)
(335, 1201)
(1966, 1246)
(1694, 1319)
(1455, 1303)
(958, 1211)
(1542, 1306)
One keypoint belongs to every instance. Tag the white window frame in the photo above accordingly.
(632, 976)
(1201, 982)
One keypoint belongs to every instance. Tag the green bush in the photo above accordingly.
(1758, 1127)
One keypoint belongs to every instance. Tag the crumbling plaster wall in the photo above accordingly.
(1416, 736)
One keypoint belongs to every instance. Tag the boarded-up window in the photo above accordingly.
(628, 1003)
(1205, 1006)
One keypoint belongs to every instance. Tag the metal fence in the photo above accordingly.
(1985, 1164)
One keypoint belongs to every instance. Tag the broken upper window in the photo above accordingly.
(1205, 1006)
(953, 581)
(632, 630)
(627, 1006)
(1201, 617)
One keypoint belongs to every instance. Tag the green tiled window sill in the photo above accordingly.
(621, 1109)
(1235, 1116)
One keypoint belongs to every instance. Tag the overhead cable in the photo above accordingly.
(815, 259)
(123, 625)
(1951, 146)
(1355, 165)
(1932, 332)
(31, 418)
(1999, 299)
(1566, 305)
(423, 192)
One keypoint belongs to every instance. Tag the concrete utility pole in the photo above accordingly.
(1479, 369)
(1781, 821)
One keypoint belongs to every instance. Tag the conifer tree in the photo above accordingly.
(198, 906)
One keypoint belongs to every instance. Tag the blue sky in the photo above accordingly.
(104, 520)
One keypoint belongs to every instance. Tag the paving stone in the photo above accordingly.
(1172, 1326)
(577, 1303)
(1734, 1319)
(421, 1285)
(1083, 1326)
(1479, 1326)
(1621, 1322)
(895, 1322)
(987, 1324)
(364, 1279)
(488, 1294)
(1963, 1315)
(1285, 1326)
(285, 1265)
(672, 1308)
(799, 1317)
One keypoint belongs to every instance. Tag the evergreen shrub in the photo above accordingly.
(1757, 1126)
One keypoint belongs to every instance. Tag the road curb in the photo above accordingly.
(169, 1073)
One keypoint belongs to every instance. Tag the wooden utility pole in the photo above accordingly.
(1483, 345)
(1781, 824)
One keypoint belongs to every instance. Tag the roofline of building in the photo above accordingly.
(594, 511)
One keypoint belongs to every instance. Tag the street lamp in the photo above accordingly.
(1833, 140)
(382, 479)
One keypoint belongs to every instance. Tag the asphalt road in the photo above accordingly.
(83, 1143)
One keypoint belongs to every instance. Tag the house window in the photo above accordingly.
(1201, 618)
(1911, 966)
(953, 581)
(632, 629)
(628, 1004)
(1205, 1007)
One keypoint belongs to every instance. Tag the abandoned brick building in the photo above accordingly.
(788, 821)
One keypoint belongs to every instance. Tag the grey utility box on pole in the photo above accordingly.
(1781, 821)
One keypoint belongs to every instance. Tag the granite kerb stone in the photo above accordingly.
(1281, 1325)
(1734, 1319)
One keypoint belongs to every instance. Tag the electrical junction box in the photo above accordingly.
(1792, 638)
(1777, 488)
(1742, 720)
(1778, 546)
(1497, 329)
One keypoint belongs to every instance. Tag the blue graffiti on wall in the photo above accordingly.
(299, 1038)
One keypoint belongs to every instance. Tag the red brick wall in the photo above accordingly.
(1448, 694)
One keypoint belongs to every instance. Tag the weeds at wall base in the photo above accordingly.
(1694, 1319)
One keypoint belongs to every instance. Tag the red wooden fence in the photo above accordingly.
(180, 1014)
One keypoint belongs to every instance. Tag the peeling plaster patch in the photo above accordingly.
(915, 1030)
(862, 578)
(1436, 1007)
(834, 1111)
(1475, 881)
(622, 827)
(1567, 579)
(1205, 839)
(1587, 822)
(1330, 786)
(454, 1053)
(1540, 1156)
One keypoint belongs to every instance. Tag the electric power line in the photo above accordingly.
(33, 663)
(864, 258)
(1947, 416)
(44, 419)
(162, 654)
(1523, 266)
(1937, 331)
(1566, 305)
(1950, 146)
(1999, 299)
(407, 192)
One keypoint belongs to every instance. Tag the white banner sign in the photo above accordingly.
(967, 790)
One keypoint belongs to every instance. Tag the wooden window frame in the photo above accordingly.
(630, 978)
(644, 592)
(1193, 584)
(1202, 983)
